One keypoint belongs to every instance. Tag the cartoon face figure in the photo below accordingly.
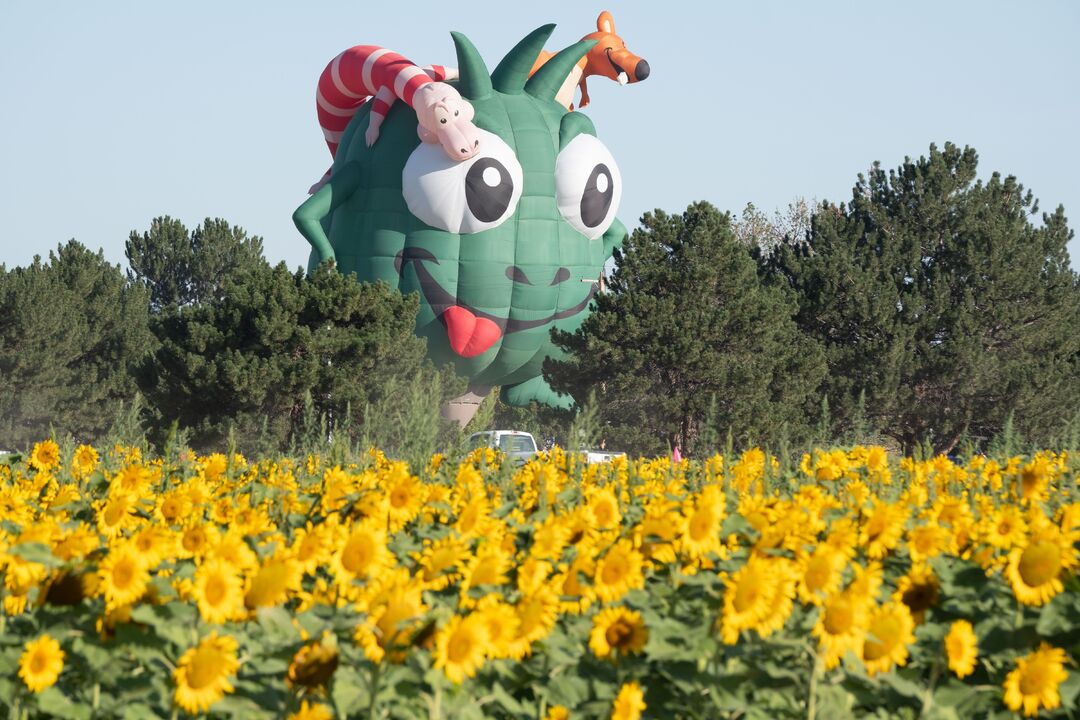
(501, 247)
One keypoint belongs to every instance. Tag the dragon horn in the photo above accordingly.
(545, 83)
(474, 82)
(510, 76)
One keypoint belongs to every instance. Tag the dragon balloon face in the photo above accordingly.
(501, 247)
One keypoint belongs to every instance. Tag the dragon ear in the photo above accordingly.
(545, 83)
(605, 23)
(474, 82)
(510, 76)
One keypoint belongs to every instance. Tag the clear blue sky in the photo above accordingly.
(115, 112)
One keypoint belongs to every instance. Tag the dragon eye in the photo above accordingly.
(467, 196)
(588, 185)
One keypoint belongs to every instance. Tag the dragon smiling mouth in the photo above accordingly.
(471, 331)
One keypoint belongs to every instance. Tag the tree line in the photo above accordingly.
(932, 310)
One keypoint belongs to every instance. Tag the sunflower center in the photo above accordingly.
(114, 513)
(357, 554)
(885, 632)
(875, 527)
(399, 498)
(701, 524)
(205, 668)
(38, 663)
(838, 617)
(818, 572)
(920, 596)
(460, 647)
(614, 571)
(193, 540)
(122, 574)
(215, 590)
(747, 593)
(1035, 678)
(1040, 563)
(619, 635)
(604, 514)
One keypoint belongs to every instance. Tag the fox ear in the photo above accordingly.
(605, 23)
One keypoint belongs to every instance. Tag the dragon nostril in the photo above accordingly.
(463, 151)
(476, 143)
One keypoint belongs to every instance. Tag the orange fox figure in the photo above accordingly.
(609, 58)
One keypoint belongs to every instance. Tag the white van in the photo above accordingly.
(518, 445)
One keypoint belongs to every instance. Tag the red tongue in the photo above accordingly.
(469, 335)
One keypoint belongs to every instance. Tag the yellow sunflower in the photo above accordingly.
(1005, 528)
(363, 554)
(618, 572)
(197, 539)
(919, 590)
(881, 529)
(460, 647)
(1035, 681)
(617, 630)
(537, 614)
(405, 496)
(557, 712)
(629, 703)
(819, 574)
(115, 514)
(393, 616)
(84, 461)
(313, 711)
(757, 597)
(45, 456)
(502, 625)
(41, 663)
(313, 664)
(889, 631)
(1034, 570)
(926, 541)
(278, 575)
(573, 583)
(604, 508)
(440, 560)
(123, 576)
(312, 546)
(487, 567)
(202, 675)
(839, 628)
(962, 648)
(700, 534)
(218, 591)
(549, 538)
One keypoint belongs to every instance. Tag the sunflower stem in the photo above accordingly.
(376, 676)
(811, 700)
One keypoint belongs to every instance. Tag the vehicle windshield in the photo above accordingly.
(516, 443)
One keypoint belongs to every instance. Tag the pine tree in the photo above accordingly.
(937, 298)
(274, 348)
(71, 331)
(182, 268)
(686, 319)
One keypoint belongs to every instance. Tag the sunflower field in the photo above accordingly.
(853, 585)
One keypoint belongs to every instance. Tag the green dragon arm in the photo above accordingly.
(309, 216)
(614, 237)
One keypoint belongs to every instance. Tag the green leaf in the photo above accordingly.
(348, 690)
(54, 703)
(35, 552)
(172, 622)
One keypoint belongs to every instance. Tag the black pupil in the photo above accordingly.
(595, 203)
(488, 202)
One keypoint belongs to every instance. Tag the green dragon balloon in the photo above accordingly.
(502, 246)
